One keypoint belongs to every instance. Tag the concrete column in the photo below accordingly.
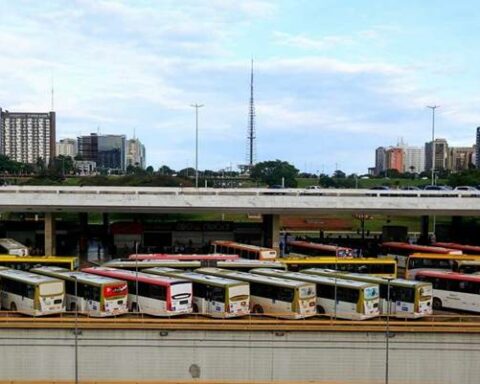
(49, 222)
(271, 232)
(83, 240)
(423, 239)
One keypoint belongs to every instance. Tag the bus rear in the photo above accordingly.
(115, 298)
(49, 298)
(305, 301)
(238, 300)
(423, 300)
(179, 300)
(368, 305)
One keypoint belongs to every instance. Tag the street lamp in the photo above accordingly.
(387, 330)
(75, 279)
(136, 277)
(196, 106)
(433, 107)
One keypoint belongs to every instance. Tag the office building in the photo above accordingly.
(27, 136)
(135, 153)
(67, 147)
(394, 159)
(380, 160)
(414, 159)
(107, 151)
(441, 155)
(477, 149)
(460, 158)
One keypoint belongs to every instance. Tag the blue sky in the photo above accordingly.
(333, 80)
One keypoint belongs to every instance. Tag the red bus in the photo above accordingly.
(317, 249)
(157, 295)
(471, 249)
(400, 251)
(172, 256)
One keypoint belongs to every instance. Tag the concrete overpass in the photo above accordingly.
(268, 202)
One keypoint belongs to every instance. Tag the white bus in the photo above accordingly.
(453, 290)
(245, 251)
(408, 298)
(274, 296)
(355, 300)
(96, 296)
(212, 295)
(31, 294)
(12, 247)
(157, 295)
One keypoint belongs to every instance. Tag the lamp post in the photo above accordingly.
(387, 332)
(136, 277)
(196, 106)
(76, 329)
(433, 108)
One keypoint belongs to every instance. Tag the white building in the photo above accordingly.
(135, 153)
(27, 136)
(67, 147)
(414, 159)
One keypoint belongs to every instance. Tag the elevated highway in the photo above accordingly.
(253, 201)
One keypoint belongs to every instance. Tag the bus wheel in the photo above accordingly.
(134, 307)
(257, 309)
(437, 303)
(73, 307)
(195, 309)
(320, 310)
(13, 307)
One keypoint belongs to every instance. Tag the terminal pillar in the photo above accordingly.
(49, 223)
(423, 239)
(83, 240)
(271, 232)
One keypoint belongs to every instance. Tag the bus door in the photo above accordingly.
(216, 299)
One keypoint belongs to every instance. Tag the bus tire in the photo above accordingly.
(436, 303)
(257, 309)
(134, 307)
(73, 307)
(195, 308)
(320, 310)
(13, 307)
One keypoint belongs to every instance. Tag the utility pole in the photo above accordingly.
(196, 106)
(433, 108)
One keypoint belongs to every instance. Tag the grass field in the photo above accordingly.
(369, 183)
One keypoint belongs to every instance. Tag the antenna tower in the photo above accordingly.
(251, 136)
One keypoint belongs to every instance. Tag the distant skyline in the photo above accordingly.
(333, 80)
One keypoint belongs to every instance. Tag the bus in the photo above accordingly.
(421, 261)
(96, 296)
(466, 266)
(238, 265)
(400, 251)
(408, 298)
(317, 249)
(245, 251)
(12, 247)
(355, 300)
(173, 256)
(370, 266)
(214, 296)
(465, 248)
(453, 290)
(26, 263)
(274, 296)
(31, 294)
(152, 295)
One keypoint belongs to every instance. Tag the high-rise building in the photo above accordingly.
(414, 159)
(27, 136)
(67, 147)
(477, 149)
(394, 159)
(460, 158)
(135, 153)
(107, 151)
(380, 160)
(441, 155)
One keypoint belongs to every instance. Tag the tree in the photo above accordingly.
(149, 170)
(339, 174)
(272, 172)
(165, 170)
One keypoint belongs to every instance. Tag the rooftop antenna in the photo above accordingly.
(251, 136)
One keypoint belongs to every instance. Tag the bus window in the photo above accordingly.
(285, 294)
(218, 294)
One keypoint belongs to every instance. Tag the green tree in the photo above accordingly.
(165, 170)
(272, 172)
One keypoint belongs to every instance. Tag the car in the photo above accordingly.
(314, 187)
(410, 188)
(437, 188)
(380, 188)
(465, 188)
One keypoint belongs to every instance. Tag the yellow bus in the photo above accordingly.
(370, 266)
(25, 263)
(439, 262)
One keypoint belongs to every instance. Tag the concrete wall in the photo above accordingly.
(148, 355)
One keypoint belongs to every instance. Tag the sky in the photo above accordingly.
(333, 80)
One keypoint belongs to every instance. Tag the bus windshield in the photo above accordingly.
(371, 293)
(51, 288)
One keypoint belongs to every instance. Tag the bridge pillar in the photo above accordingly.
(423, 239)
(83, 240)
(49, 223)
(271, 232)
